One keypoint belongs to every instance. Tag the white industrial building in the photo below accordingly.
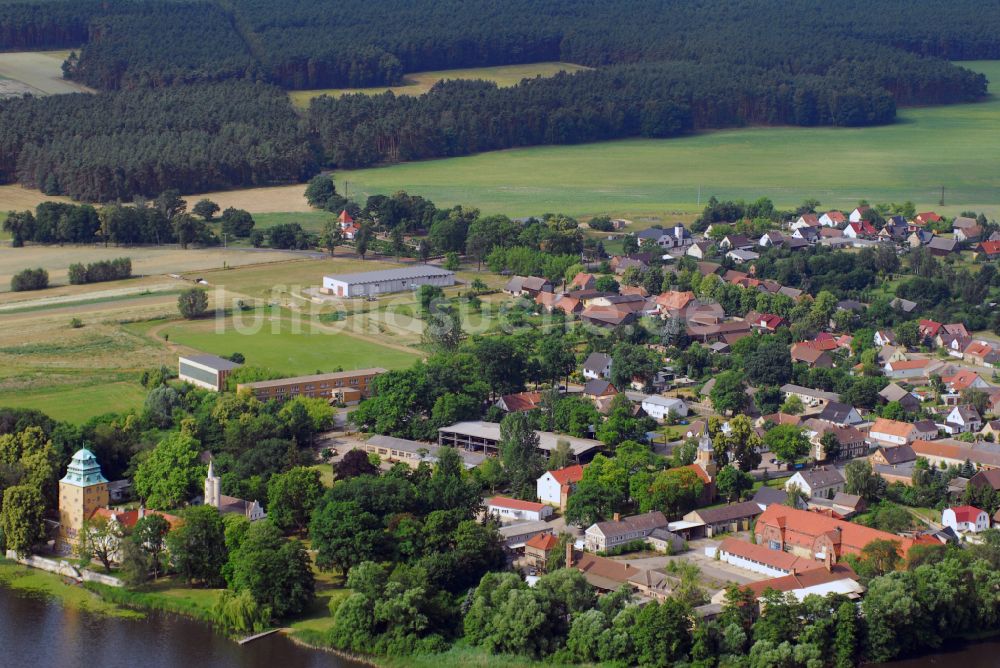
(207, 371)
(379, 282)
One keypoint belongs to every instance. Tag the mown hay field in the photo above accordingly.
(418, 83)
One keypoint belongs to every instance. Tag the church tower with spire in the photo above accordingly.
(213, 488)
(706, 456)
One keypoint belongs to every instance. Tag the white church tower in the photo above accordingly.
(213, 488)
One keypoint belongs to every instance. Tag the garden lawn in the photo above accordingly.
(955, 146)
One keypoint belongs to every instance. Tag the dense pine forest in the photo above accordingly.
(663, 68)
(116, 145)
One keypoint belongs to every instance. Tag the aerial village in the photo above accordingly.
(695, 426)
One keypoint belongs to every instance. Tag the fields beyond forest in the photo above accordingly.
(35, 72)
(956, 146)
(418, 83)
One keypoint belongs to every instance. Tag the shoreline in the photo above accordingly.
(23, 579)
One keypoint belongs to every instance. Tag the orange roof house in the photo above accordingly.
(568, 475)
(583, 281)
(520, 402)
(811, 535)
(674, 300)
(129, 518)
(542, 541)
(963, 380)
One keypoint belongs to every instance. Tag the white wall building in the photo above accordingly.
(206, 371)
(965, 519)
(387, 280)
(659, 408)
(516, 510)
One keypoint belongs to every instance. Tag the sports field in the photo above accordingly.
(283, 346)
(418, 83)
(957, 147)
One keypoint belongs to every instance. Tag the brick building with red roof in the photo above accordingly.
(813, 536)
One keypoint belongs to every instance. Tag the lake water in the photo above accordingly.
(973, 655)
(36, 632)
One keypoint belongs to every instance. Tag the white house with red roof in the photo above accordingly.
(348, 227)
(832, 219)
(965, 379)
(507, 509)
(858, 214)
(806, 220)
(859, 230)
(929, 329)
(555, 487)
(965, 519)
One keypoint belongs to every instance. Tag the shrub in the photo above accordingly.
(30, 279)
(102, 270)
(76, 323)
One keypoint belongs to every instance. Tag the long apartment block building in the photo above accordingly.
(348, 387)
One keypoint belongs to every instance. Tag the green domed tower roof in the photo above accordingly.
(84, 470)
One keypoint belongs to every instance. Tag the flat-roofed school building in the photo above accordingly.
(379, 282)
(480, 436)
(348, 387)
(207, 371)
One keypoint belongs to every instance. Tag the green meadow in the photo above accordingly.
(78, 403)
(956, 146)
(286, 348)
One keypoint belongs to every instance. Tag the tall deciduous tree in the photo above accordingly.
(343, 535)
(22, 518)
(171, 472)
(292, 496)
(277, 572)
(192, 303)
(519, 453)
(198, 546)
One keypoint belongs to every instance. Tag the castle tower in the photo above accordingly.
(82, 491)
(213, 488)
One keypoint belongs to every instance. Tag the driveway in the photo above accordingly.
(715, 575)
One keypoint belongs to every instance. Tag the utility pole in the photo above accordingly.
(941, 201)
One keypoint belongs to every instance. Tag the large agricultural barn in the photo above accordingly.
(379, 282)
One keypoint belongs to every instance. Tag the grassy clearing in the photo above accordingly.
(74, 596)
(325, 473)
(167, 595)
(953, 146)
(419, 83)
(146, 261)
(273, 281)
(464, 656)
(311, 221)
(77, 404)
(39, 71)
(278, 344)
